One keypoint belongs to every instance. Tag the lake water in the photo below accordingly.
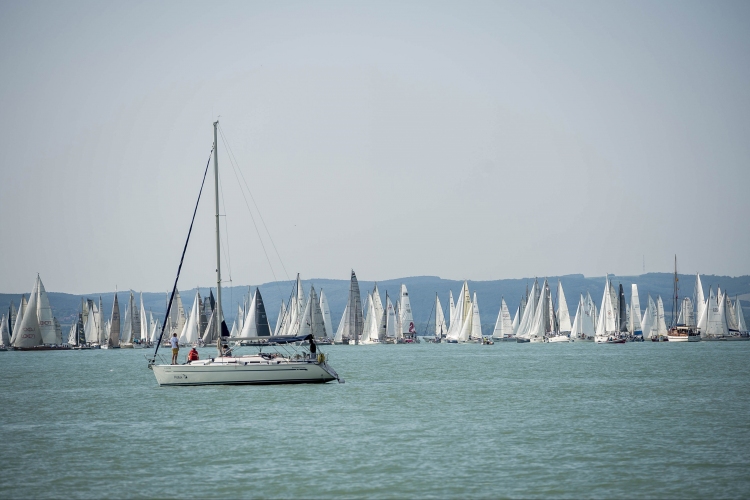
(509, 420)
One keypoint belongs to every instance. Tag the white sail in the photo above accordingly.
(563, 314)
(26, 333)
(661, 325)
(73, 335)
(608, 323)
(730, 314)
(250, 325)
(529, 312)
(503, 324)
(740, 316)
(190, 332)
(648, 325)
(279, 320)
(127, 330)
(91, 328)
(700, 300)
(144, 322)
(452, 311)
(440, 327)
(19, 317)
(326, 313)
(234, 332)
(153, 328)
(466, 327)
(390, 319)
(180, 318)
(634, 314)
(312, 322)
(4, 331)
(713, 324)
(399, 330)
(687, 317)
(516, 319)
(240, 319)
(476, 322)
(339, 337)
(45, 318)
(379, 312)
(369, 318)
(460, 312)
(406, 317)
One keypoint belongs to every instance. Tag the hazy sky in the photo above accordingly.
(475, 140)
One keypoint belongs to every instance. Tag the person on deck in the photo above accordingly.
(175, 347)
(193, 355)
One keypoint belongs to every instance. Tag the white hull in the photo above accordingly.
(681, 338)
(558, 338)
(535, 340)
(244, 370)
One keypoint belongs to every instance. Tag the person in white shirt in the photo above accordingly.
(175, 347)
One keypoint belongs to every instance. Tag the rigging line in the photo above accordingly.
(256, 206)
(182, 259)
(234, 169)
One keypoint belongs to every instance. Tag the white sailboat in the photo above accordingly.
(583, 328)
(504, 324)
(377, 305)
(476, 322)
(391, 324)
(560, 332)
(408, 331)
(261, 368)
(681, 331)
(36, 329)
(608, 328)
(634, 314)
(189, 335)
(740, 317)
(523, 333)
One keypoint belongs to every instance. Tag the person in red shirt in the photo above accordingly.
(193, 355)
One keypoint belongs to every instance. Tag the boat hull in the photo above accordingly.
(558, 338)
(684, 338)
(242, 373)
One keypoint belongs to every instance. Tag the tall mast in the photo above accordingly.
(218, 249)
(674, 302)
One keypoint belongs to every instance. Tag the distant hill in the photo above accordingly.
(422, 291)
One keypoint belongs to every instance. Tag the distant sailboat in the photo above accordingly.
(608, 326)
(37, 328)
(352, 322)
(583, 328)
(408, 331)
(441, 328)
(4, 333)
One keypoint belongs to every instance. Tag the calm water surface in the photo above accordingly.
(509, 420)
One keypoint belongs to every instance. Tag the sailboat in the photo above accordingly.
(226, 368)
(504, 324)
(391, 324)
(326, 318)
(37, 330)
(441, 328)
(408, 332)
(352, 322)
(583, 328)
(680, 332)
(561, 331)
(608, 326)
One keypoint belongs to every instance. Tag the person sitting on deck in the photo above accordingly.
(193, 355)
